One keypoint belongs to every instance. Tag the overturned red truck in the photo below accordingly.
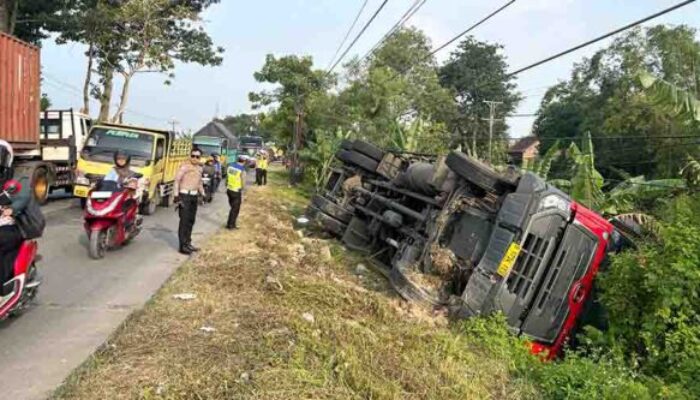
(452, 232)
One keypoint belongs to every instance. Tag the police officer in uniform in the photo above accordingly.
(188, 187)
(261, 165)
(235, 182)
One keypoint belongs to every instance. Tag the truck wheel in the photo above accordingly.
(331, 209)
(328, 223)
(358, 159)
(151, 205)
(40, 182)
(98, 244)
(167, 200)
(368, 149)
(346, 144)
(477, 173)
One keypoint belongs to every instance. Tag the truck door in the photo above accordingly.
(524, 279)
(570, 263)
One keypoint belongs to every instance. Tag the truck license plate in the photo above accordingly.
(508, 260)
(80, 191)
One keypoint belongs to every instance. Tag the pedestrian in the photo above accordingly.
(235, 183)
(188, 187)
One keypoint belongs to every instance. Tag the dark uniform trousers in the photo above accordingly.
(10, 241)
(234, 201)
(188, 214)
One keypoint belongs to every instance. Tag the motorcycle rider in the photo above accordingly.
(209, 168)
(121, 171)
(10, 236)
(122, 174)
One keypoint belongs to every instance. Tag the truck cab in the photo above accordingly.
(154, 153)
(51, 165)
(213, 145)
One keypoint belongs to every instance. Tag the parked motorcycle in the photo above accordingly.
(111, 216)
(23, 286)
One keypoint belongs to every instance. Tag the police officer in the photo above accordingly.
(188, 187)
(261, 165)
(235, 182)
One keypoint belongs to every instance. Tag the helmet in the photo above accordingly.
(241, 158)
(122, 153)
(6, 154)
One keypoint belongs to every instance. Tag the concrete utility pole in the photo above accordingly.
(492, 119)
(173, 122)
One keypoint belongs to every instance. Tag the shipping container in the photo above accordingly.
(19, 92)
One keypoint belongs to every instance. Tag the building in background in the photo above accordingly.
(524, 151)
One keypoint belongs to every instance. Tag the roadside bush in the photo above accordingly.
(653, 299)
(575, 377)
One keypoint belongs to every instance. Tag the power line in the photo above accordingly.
(347, 34)
(471, 28)
(359, 35)
(415, 7)
(599, 38)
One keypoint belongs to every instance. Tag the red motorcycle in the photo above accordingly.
(24, 284)
(111, 216)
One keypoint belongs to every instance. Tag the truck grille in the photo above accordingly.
(526, 266)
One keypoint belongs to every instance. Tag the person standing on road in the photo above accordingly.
(217, 168)
(235, 183)
(261, 169)
(188, 187)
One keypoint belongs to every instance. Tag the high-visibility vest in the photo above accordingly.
(234, 178)
(261, 163)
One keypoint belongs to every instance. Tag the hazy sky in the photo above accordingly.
(529, 30)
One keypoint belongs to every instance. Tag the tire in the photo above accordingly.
(331, 209)
(167, 201)
(152, 204)
(40, 186)
(346, 144)
(98, 244)
(360, 160)
(356, 237)
(328, 223)
(368, 149)
(477, 173)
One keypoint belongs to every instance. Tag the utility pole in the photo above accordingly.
(492, 119)
(173, 122)
(295, 173)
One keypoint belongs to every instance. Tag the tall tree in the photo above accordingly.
(397, 84)
(298, 89)
(605, 97)
(477, 72)
(33, 20)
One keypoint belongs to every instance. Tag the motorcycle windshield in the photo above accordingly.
(107, 186)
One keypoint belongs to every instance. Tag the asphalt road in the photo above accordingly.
(82, 301)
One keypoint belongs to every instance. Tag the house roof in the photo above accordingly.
(524, 144)
(216, 129)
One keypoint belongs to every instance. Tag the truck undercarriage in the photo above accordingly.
(452, 233)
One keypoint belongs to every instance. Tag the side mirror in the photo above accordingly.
(138, 175)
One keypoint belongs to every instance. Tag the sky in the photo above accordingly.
(529, 30)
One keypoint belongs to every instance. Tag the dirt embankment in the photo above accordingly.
(268, 313)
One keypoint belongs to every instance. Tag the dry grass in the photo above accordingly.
(257, 288)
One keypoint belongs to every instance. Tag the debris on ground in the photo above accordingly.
(207, 329)
(185, 296)
(308, 317)
(361, 269)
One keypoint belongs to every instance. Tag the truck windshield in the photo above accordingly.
(103, 142)
(209, 149)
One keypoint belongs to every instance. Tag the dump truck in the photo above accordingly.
(46, 144)
(451, 232)
(156, 154)
(214, 145)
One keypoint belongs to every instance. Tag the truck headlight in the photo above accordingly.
(554, 201)
(81, 179)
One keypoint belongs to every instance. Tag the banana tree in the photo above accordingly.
(318, 154)
(676, 100)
